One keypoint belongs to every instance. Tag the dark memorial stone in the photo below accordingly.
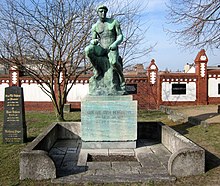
(178, 89)
(14, 127)
(131, 88)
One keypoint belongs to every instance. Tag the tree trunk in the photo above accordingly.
(60, 114)
(58, 108)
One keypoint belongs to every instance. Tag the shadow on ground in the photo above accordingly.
(30, 139)
(212, 161)
(204, 117)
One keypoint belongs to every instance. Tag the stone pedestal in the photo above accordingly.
(109, 122)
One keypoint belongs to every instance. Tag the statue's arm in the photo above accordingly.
(119, 38)
(94, 40)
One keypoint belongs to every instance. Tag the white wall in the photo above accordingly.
(213, 87)
(189, 96)
(2, 91)
(33, 92)
(78, 92)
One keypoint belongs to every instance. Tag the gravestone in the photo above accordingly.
(14, 127)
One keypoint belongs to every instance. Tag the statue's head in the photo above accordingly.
(102, 11)
(102, 7)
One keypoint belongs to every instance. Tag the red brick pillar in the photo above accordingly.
(202, 78)
(14, 76)
(152, 73)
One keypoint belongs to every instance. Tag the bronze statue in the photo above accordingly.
(108, 78)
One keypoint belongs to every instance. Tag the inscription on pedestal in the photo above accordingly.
(102, 115)
(109, 119)
(14, 127)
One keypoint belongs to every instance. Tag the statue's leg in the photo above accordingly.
(92, 53)
(113, 60)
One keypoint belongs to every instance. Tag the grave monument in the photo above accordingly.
(108, 116)
(109, 122)
(14, 127)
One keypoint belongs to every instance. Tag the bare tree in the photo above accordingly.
(198, 22)
(46, 40)
(129, 14)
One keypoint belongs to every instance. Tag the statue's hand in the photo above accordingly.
(94, 41)
(112, 47)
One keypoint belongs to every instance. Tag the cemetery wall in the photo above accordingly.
(213, 86)
(178, 89)
(151, 89)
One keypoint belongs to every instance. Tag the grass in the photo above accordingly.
(206, 136)
(9, 154)
(154, 115)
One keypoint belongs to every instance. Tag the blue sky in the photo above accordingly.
(166, 53)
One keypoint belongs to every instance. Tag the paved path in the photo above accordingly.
(73, 167)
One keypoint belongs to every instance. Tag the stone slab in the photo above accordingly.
(121, 167)
(99, 165)
(108, 118)
(82, 160)
(123, 152)
(108, 145)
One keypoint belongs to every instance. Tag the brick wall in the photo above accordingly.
(38, 106)
(142, 92)
(204, 83)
